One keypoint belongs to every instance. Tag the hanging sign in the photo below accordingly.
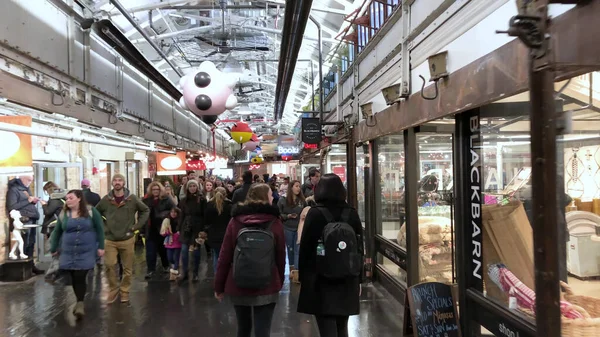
(311, 130)
(15, 152)
(170, 164)
(431, 311)
(195, 165)
(311, 146)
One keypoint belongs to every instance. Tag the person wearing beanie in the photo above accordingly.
(192, 229)
(119, 208)
(90, 197)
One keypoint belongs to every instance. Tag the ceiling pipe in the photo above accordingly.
(296, 17)
(75, 136)
(152, 6)
(123, 11)
(176, 33)
(320, 50)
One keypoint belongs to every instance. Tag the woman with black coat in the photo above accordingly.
(160, 205)
(216, 218)
(52, 209)
(193, 207)
(332, 302)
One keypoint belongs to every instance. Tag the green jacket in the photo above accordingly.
(61, 226)
(120, 220)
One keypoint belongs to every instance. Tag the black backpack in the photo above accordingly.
(338, 255)
(254, 257)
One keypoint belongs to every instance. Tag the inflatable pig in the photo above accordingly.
(208, 92)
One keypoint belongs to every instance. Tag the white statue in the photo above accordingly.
(16, 236)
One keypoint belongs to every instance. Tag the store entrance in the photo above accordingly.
(67, 176)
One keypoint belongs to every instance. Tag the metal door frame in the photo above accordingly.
(39, 186)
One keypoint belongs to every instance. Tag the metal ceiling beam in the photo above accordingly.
(151, 6)
(145, 35)
(296, 17)
(176, 33)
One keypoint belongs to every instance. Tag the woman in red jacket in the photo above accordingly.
(239, 271)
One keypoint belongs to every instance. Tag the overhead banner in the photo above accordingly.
(311, 130)
(15, 151)
(170, 164)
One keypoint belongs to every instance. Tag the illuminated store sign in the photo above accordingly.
(288, 150)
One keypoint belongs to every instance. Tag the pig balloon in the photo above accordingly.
(208, 92)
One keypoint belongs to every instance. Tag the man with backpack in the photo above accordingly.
(331, 259)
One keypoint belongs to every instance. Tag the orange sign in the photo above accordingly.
(15, 150)
(170, 164)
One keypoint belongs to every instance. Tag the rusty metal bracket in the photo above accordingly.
(529, 29)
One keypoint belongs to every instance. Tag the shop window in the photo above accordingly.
(391, 180)
(505, 170)
(360, 183)
(435, 202)
(392, 268)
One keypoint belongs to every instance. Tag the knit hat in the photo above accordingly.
(187, 186)
(86, 182)
(118, 176)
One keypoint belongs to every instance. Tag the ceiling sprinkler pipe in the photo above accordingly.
(74, 136)
(123, 11)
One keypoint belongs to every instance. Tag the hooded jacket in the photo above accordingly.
(120, 222)
(192, 207)
(52, 209)
(17, 198)
(251, 215)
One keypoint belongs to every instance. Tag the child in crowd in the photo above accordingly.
(170, 230)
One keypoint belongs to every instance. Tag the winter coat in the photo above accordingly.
(90, 197)
(81, 238)
(120, 220)
(157, 214)
(286, 210)
(240, 194)
(52, 209)
(192, 208)
(216, 224)
(308, 189)
(319, 296)
(171, 233)
(250, 216)
(17, 198)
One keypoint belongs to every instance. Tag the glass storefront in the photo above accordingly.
(391, 214)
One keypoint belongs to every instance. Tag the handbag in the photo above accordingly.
(53, 269)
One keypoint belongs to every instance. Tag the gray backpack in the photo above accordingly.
(254, 257)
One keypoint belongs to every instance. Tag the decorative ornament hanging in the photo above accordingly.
(241, 133)
(208, 92)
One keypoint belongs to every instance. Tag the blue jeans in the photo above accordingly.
(291, 239)
(185, 259)
(215, 256)
(173, 255)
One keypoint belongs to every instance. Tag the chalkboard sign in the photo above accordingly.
(431, 311)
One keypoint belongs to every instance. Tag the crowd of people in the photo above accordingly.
(247, 227)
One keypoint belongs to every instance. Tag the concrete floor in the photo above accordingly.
(159, 308)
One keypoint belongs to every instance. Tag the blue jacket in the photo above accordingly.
(81, 238)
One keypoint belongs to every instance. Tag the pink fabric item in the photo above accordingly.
(490, 200)
(174, 242)
(526, 297)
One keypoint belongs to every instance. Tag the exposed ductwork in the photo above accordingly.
(296, 17)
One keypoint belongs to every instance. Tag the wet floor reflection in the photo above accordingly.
(161, 308)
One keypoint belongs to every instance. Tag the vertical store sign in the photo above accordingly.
(475, 202)
(311, 130)
(15, 152)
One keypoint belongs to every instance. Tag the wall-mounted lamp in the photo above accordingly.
(391, 94)
(367, 110)
(438, 69)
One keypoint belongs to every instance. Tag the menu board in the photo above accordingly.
(431, 311)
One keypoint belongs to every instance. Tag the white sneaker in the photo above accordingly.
(23, 256)
(12, 256)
